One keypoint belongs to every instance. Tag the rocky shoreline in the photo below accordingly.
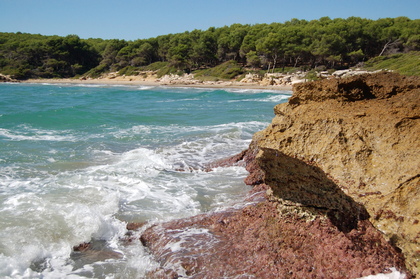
(150, 79)
(336, 191)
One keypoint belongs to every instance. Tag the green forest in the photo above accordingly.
(327, 43)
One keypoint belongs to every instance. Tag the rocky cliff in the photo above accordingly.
(336, 191)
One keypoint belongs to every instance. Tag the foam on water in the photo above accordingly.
(253, 91)
(395, 274)
(54, 225)
(94, 202)
(30, 134)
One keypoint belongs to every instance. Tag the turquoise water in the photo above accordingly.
(79, 162)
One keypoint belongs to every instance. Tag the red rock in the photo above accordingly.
(258, 241)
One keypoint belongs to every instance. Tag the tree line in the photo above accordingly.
(332, 43)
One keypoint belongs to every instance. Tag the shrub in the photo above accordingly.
(227, 70)
(129, 71)
(403, 63)
(97, 71)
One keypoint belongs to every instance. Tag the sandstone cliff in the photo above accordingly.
(364, 134)
(339, 156)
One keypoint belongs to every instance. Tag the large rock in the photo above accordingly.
(5, 78)
(364, 134)
(338, 156)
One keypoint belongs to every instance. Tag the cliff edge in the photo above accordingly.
(363, 133)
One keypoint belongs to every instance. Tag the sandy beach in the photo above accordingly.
(136, 80)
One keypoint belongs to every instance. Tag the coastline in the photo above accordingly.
(333, 226)
(140, 82)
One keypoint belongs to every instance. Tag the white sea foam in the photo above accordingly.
(210, 143)
(180, 237)
(253, 91)
(144, 87)
(227, 133)
(395, 274)
(195, 240)
(37, 135)
(55, 221)
(278, 98)
(89, 85)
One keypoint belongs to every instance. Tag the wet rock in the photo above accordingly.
(82, 247)
(267, 239)
(235, 160)
(90, 252)
(133, 229)
(134, 226)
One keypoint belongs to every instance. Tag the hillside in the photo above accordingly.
(317, 44)
(403, 63)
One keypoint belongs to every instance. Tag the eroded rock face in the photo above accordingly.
(305, 185)
(364, 134)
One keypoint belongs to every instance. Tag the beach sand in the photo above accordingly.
(136, 80)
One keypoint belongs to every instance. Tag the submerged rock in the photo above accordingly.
(341, 155)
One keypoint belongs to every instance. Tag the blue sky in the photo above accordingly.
(141, 19)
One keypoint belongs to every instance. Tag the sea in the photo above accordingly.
(78, 162)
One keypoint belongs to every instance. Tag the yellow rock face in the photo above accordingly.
(364, 133)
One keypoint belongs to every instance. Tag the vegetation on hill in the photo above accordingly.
(404, 63)
(25, 55)
(329, 43)
(226, 70)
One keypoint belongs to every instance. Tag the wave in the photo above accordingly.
(278, 98)
(37, 135)
(254, 90)
(146, 87)
(173, 134)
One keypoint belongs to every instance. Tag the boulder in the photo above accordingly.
(5, 78)
(251, 78)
